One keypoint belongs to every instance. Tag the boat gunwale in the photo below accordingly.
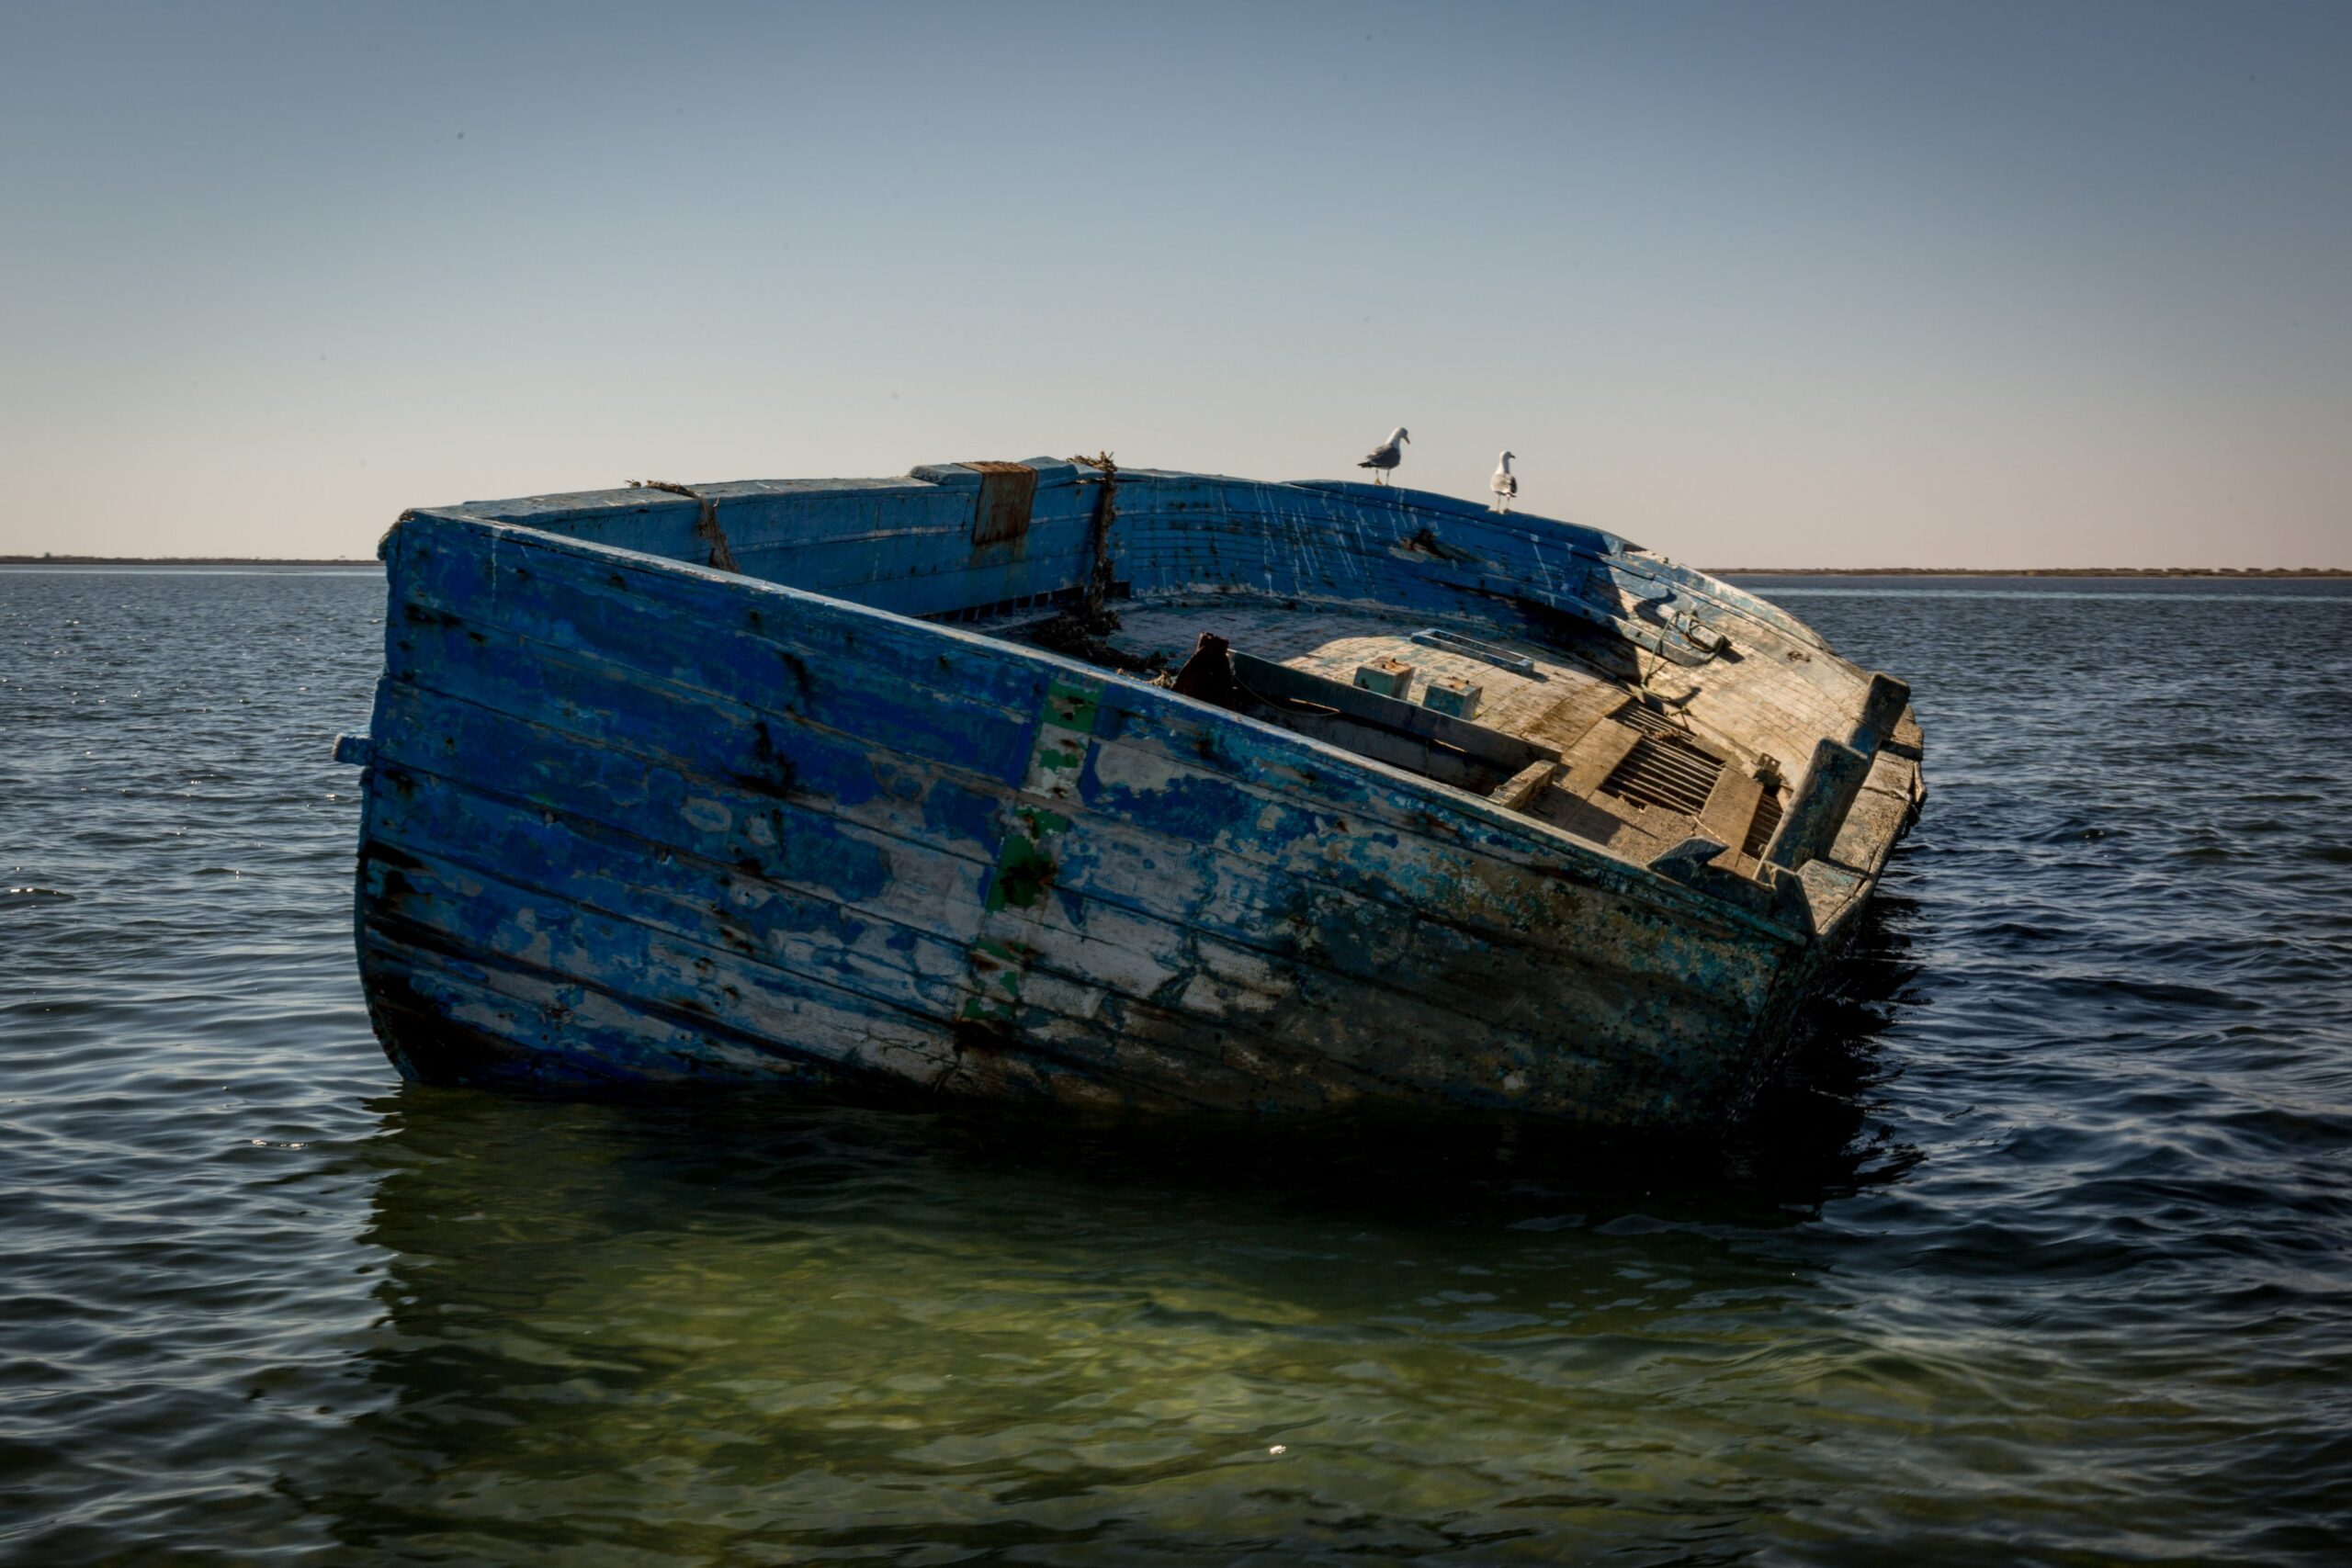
(1597, 546)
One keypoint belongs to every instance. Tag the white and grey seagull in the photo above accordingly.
(1385, 456)
(1505, 484)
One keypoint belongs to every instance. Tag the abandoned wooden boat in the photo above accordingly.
(1058, 782)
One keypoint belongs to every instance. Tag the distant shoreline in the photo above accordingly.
(182, 560)
(2223, 573)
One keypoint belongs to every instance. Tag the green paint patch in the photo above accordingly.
(1023, 873)
(999, 964)
(998, 969)
(1061, 756)
(1072, 707)
(1041, 821)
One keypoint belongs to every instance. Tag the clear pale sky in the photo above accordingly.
(1977, 285)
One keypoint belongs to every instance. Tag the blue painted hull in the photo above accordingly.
(631, 820)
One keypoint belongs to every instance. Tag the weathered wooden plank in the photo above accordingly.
(1818, 805)
(567, 943)
(559, 1030)
(1209, 893)
(1514, 793)
(1597, 756)
(866, 947)
(814, 666)
(1731, 807)
(465, 908)
(1874, 822)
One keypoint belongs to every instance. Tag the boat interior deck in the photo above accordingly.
(1564, 737)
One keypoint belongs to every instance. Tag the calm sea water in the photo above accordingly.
(2042, 1251)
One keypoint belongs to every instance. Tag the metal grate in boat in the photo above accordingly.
(1761, 826)
(1667, 770)
(1648, 720)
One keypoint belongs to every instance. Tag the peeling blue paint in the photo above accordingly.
(634, 820)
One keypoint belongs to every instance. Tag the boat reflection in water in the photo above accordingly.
(702, 1329)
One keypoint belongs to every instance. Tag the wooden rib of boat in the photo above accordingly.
(1141, 789)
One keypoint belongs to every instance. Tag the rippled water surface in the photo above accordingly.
(2041, 1252)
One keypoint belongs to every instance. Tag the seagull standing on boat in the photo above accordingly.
(1387, 455)
(1505, 484)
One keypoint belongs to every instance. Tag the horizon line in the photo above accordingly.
(50, 559)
